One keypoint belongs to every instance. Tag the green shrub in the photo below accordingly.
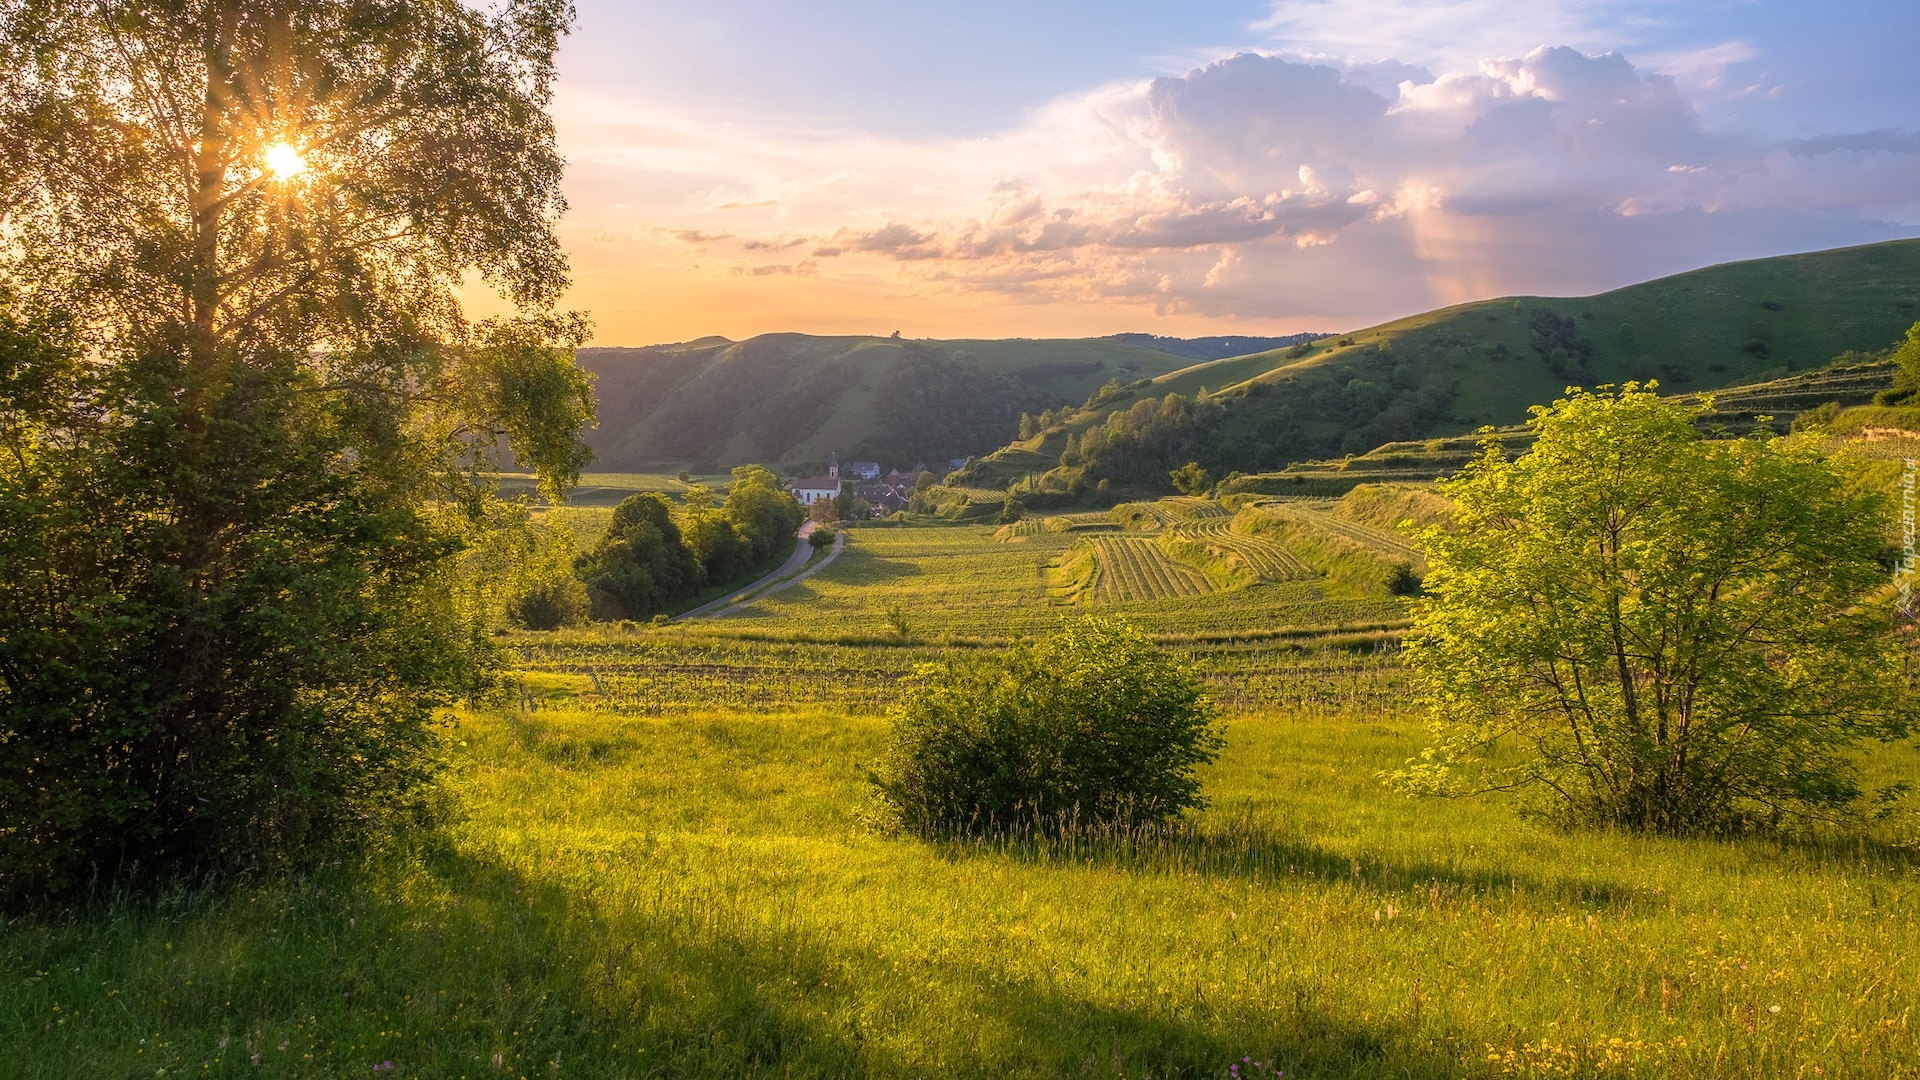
(1402, 581)
(1092, 725)
(550, 604)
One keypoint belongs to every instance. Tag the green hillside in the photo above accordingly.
(790, 399)
(1450, 371)
(1736, 410)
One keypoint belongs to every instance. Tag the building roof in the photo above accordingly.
(816, 483)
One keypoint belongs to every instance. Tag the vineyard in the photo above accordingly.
(1201, 573)
(1366, 535)
(1135, 568)
(668, 672)
(978, 494)
(1170, 511)
(1265, 559)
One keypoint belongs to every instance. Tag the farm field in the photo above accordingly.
(1135, 568)
(977, 582)
(1271, 561)
(695, 894)
(1365, 535)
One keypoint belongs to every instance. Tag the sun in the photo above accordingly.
(284, 161)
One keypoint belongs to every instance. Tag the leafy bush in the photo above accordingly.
(1092, 725)
(1558, 342)
(1402, 581)
(642, 563)
(1819, 416)
(1191, 479)
(551, 604)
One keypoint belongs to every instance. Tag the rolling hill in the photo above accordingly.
(1450, 371)
(790, 399)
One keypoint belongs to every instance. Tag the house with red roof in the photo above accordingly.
(812, 489)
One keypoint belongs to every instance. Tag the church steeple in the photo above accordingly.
(833, 466)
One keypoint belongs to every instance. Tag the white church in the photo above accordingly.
(815, 488)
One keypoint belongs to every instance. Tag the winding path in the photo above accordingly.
(773, 582)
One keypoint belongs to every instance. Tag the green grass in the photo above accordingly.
(666, 869)
(695, 895)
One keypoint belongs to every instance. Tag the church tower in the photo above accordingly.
(833, 466)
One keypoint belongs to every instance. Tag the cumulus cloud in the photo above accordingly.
(1266, 185)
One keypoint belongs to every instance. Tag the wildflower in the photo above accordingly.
(385, 1066)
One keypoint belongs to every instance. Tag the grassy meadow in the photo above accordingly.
(659, 862)
(696, 894)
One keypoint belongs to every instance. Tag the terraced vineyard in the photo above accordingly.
(980, 494)
(1269, 560)
(1135, 568)
(947, 580)
(1389, 543)
(986, 583)
(1167, 512)
(1189, 507)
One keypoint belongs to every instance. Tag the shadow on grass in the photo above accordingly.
(445, 964)
(1256, 852)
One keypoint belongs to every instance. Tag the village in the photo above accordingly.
(874, 495)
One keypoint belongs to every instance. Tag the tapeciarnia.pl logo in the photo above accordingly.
(1903, 574)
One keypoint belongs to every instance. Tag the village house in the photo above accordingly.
(812, 489)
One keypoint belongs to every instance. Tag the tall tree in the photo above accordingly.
(1654, 631)
(760, 511)
(254, 424)
(642, 562)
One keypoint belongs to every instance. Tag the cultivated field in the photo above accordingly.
(1135, 568)
(985, 582)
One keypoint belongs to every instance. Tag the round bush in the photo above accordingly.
(1093, 725)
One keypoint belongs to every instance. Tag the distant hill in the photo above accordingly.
(1450, 371)
(1212, 348)
(790, 399)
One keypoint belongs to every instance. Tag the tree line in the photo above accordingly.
(654, 554)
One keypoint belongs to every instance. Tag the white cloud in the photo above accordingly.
(1450, 34)
(1263, 186)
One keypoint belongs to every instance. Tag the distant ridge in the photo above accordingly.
(1212, 348)
(791, 399)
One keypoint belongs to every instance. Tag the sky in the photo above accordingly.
(1043, 168)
